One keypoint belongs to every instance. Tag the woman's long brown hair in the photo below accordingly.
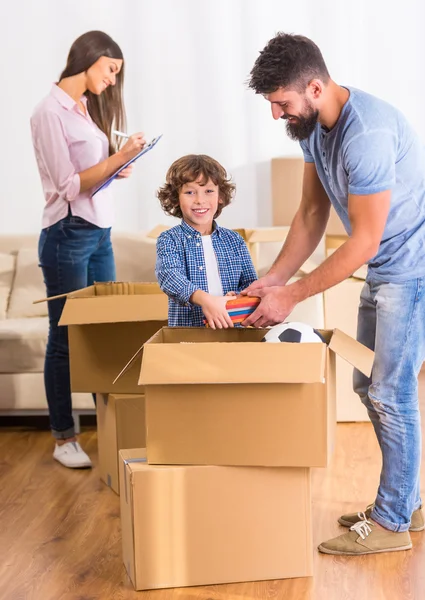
(107, 109)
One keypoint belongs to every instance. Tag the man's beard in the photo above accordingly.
(306, 123)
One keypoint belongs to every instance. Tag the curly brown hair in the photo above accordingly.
(190, 168)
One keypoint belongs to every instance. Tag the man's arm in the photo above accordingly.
(368, 215)
(306, 231)
(307, 228)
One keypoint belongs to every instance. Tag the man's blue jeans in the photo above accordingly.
(392, 323)
(73, 254)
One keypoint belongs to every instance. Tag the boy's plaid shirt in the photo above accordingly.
(180, 269)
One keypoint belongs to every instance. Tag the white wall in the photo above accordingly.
(186, 64)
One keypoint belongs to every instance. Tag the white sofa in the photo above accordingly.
(24, 325)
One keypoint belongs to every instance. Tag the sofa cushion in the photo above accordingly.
(27, 287)
(23, 345)
(7, 272)
(135, 257)
(25, 391)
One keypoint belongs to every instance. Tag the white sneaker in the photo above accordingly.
(71, 455)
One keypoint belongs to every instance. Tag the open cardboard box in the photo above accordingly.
(200, 525)
(106, 324)
(223, 398)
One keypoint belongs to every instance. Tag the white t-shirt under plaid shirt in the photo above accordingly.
(211, 267)
(181, 269)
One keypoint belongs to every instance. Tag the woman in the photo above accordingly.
(75, 152)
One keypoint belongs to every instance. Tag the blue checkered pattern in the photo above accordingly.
(180, 269)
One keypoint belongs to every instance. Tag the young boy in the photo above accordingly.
(199, 263)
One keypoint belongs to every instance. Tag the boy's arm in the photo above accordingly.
(171, 275)
(170, 270)
(248, 274)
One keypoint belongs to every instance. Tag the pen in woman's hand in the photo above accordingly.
(120, 134)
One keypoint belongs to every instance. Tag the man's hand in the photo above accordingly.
(269, 280)
(276, 304)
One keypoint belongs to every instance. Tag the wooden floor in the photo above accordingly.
(60, 531)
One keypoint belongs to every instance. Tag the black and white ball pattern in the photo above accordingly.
(293, 332)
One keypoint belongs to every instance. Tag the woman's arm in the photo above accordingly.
(51, 145)
(94, 175)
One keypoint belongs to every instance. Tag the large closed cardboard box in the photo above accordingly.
(106, 324)
(120, 425)
(200, 525)
(224, 398)
(287, 179)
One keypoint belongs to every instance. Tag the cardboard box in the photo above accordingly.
(223, 398)
(332, 242)
(192, 525)
(255, 239)
(106, 324)
(341, 310)
(287, 180)
(120, 425)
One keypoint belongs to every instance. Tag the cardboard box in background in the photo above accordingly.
(192, 525)
(107, 323)
(224, 398)
(287, 178)
(120, 425)
(341, 311)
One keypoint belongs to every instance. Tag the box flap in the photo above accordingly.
(352, 351)
(115, 309)
(128, 365)
(192, 356)
(271, 234)
(83, 292)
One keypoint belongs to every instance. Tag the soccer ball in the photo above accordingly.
(293, 332)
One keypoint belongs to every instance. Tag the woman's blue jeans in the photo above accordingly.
(73, 254)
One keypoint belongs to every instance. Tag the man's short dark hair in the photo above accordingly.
(288, 61)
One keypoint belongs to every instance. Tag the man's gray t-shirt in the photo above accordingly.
(372, 148)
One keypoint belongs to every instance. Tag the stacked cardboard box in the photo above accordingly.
(107, 322)
(287, 179)
(233, 427)
(341, 304)
(120, 425)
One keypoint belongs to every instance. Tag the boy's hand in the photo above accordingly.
(231, 294)
(214, 309)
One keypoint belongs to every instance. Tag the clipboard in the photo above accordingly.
(110, 179)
